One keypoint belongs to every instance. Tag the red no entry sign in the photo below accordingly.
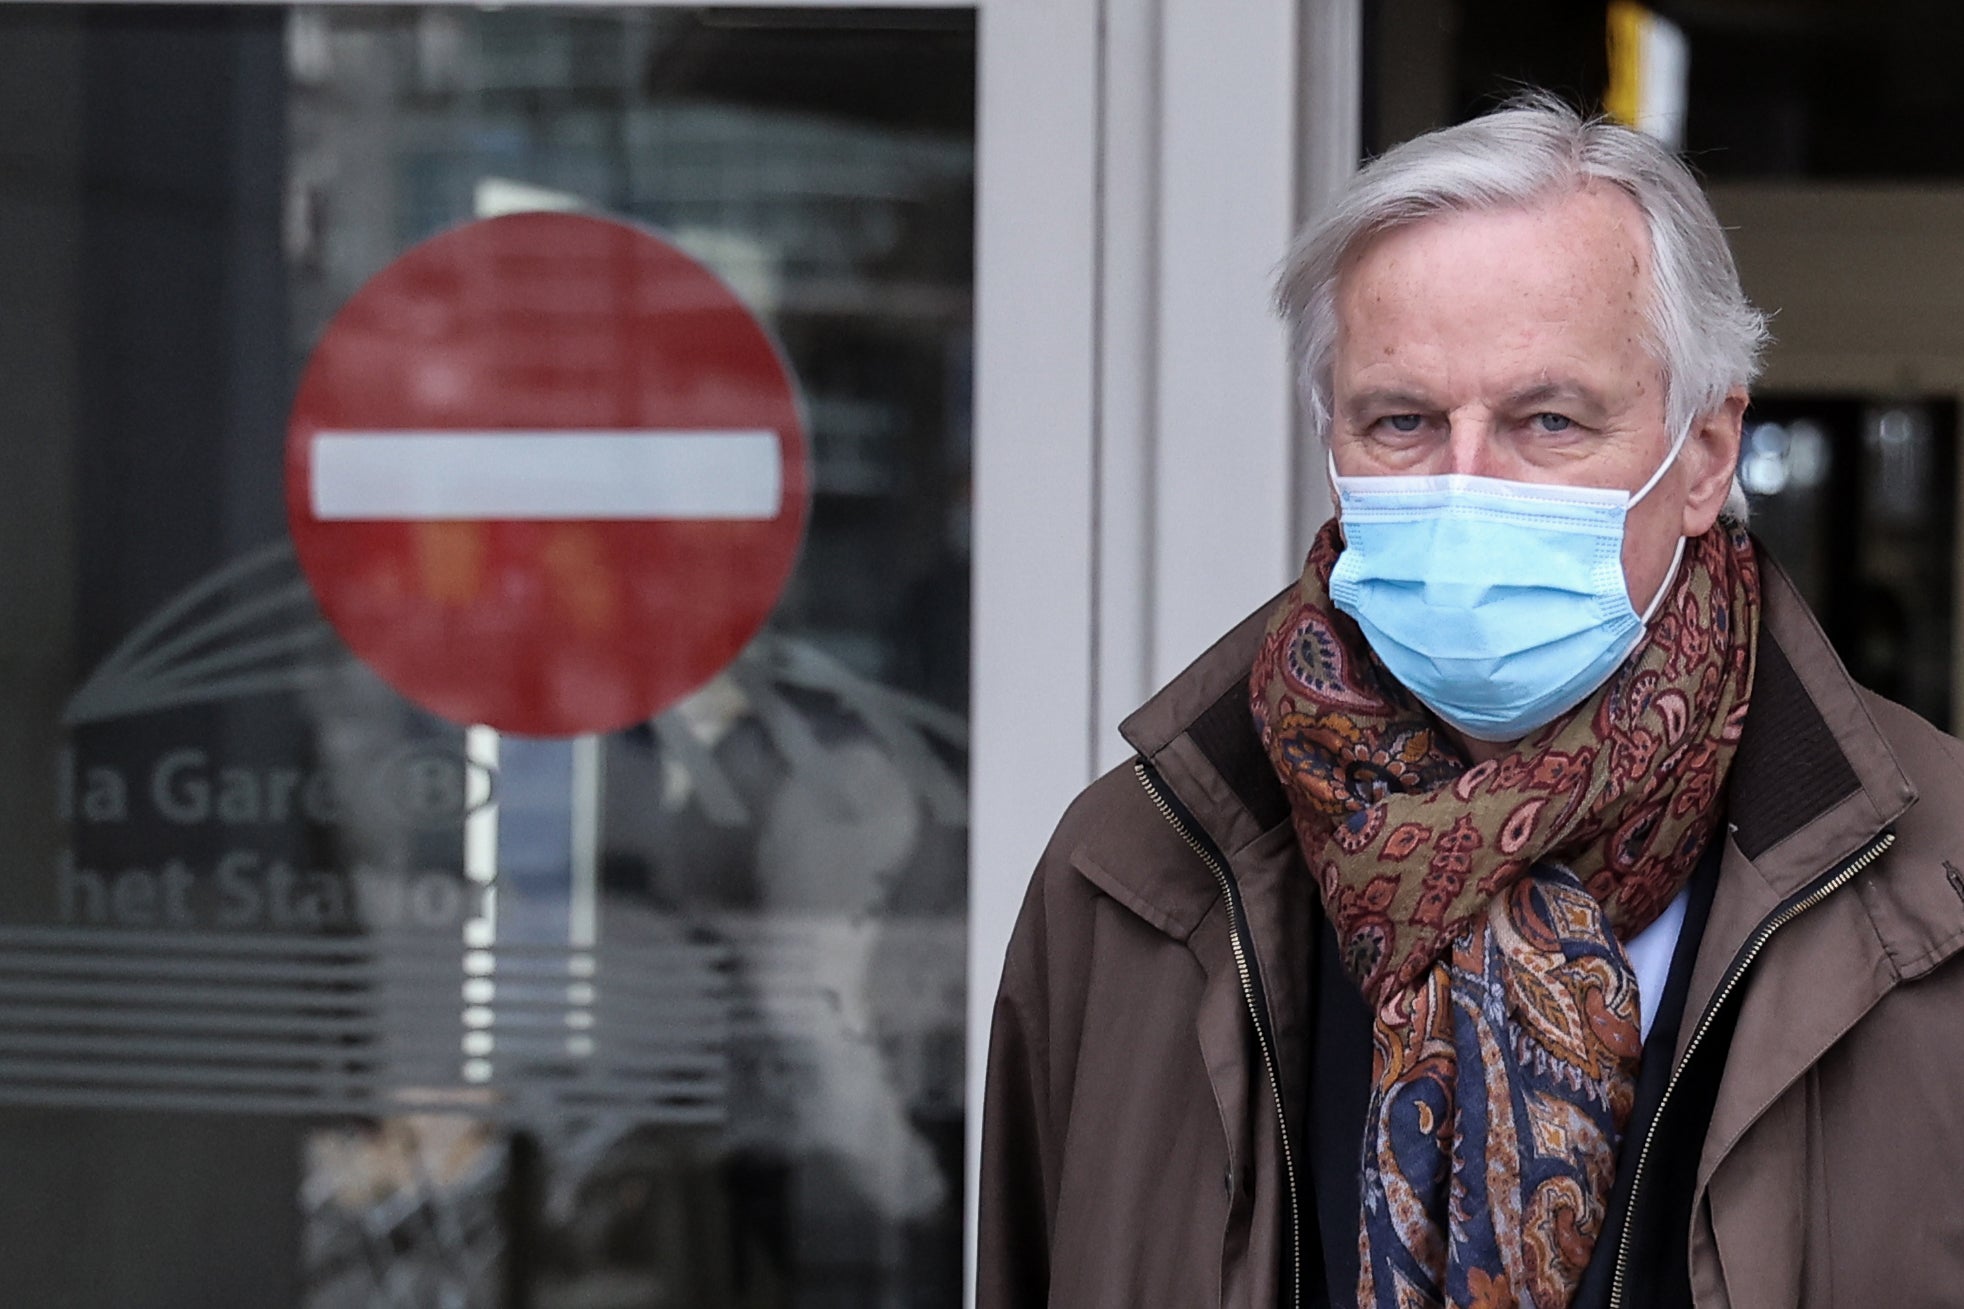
(547, 473)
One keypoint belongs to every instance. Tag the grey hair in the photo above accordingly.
(1703, 331)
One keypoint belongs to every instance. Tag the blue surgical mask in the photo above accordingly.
(1500, 604)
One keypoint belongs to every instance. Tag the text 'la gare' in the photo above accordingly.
(422, 785)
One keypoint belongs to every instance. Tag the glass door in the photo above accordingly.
(319, 990)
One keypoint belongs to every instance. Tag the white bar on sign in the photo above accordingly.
(546, 476)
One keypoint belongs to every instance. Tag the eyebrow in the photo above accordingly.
(1392, 399)
(1554, 392)
(1386, 399)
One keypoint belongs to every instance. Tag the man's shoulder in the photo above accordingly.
(1114, 806)
(1916, 897)
(1932, 760)
(1114, 842)
(1919, 744)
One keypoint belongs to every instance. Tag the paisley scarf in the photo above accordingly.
(1480, 910)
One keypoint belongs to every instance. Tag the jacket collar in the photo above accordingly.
(1813, 782)
(1199, 733)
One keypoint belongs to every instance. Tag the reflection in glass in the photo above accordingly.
(1854, 497)
(401, 1011)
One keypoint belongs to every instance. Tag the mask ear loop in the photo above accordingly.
(1657, 601)
(1677, 448)
(1677, 556)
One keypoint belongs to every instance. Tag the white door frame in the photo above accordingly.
(1036, 280)
(1214, 132)
(1224, 130)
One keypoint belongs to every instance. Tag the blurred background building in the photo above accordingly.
(311, 998)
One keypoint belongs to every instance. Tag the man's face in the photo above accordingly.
(1511, 344)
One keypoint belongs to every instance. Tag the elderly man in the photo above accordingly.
(1526, 908)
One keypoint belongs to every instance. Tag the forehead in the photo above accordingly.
(1572, 270)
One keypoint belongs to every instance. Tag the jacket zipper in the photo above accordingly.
(1244, 964)
(1742, 961)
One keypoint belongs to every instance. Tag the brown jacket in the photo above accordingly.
(1132, 1152)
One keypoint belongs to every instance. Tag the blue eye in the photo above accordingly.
(1554, 422)
(1404, 422)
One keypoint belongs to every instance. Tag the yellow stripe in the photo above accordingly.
(1623, 101)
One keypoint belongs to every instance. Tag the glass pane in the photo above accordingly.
(1824, 470)
(310, 996)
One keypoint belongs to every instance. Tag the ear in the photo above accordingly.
(1710, 457)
